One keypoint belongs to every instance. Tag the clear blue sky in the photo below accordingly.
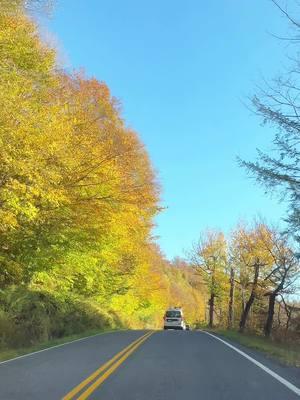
(182, 71)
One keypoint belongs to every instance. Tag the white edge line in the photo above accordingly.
(279, 378)
(56, 346)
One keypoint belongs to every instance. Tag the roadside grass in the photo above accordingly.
(9, 353)
(286, 353)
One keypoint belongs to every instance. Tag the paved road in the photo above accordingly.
(169, 365)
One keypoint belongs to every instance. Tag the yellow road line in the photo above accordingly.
(94, 375)
(106, 374)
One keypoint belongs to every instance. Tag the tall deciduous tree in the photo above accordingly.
(230, 322)
(209, 257)
(284, 271)
(253, 261)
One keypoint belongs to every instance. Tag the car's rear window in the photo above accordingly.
(173, 314)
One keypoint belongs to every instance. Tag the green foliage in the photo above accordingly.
(28, 317)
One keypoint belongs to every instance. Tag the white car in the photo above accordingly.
(174, 319)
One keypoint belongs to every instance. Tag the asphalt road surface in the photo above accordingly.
(141, 365)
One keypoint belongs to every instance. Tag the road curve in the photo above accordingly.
(165, 365)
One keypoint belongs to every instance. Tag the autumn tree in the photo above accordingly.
(209, 258)
(285, 270)
(28, 184)
(253, 262)
(70, 169)
(232, 284)
(290, 308)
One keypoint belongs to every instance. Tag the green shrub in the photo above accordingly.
(29, 317)
(7, 328)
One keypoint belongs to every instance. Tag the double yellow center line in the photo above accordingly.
(102, 373)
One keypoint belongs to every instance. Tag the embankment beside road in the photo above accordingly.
(285, 352)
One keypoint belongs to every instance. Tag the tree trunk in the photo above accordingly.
(279, 315)
(272, 300)
(269, 322)
(245, 313)
(289, 317)
(231, 300)
(288, 311)
(211, 310)
(243, 298)
(250, 301)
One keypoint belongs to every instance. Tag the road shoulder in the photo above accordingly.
(10, 354)
(289, 373)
